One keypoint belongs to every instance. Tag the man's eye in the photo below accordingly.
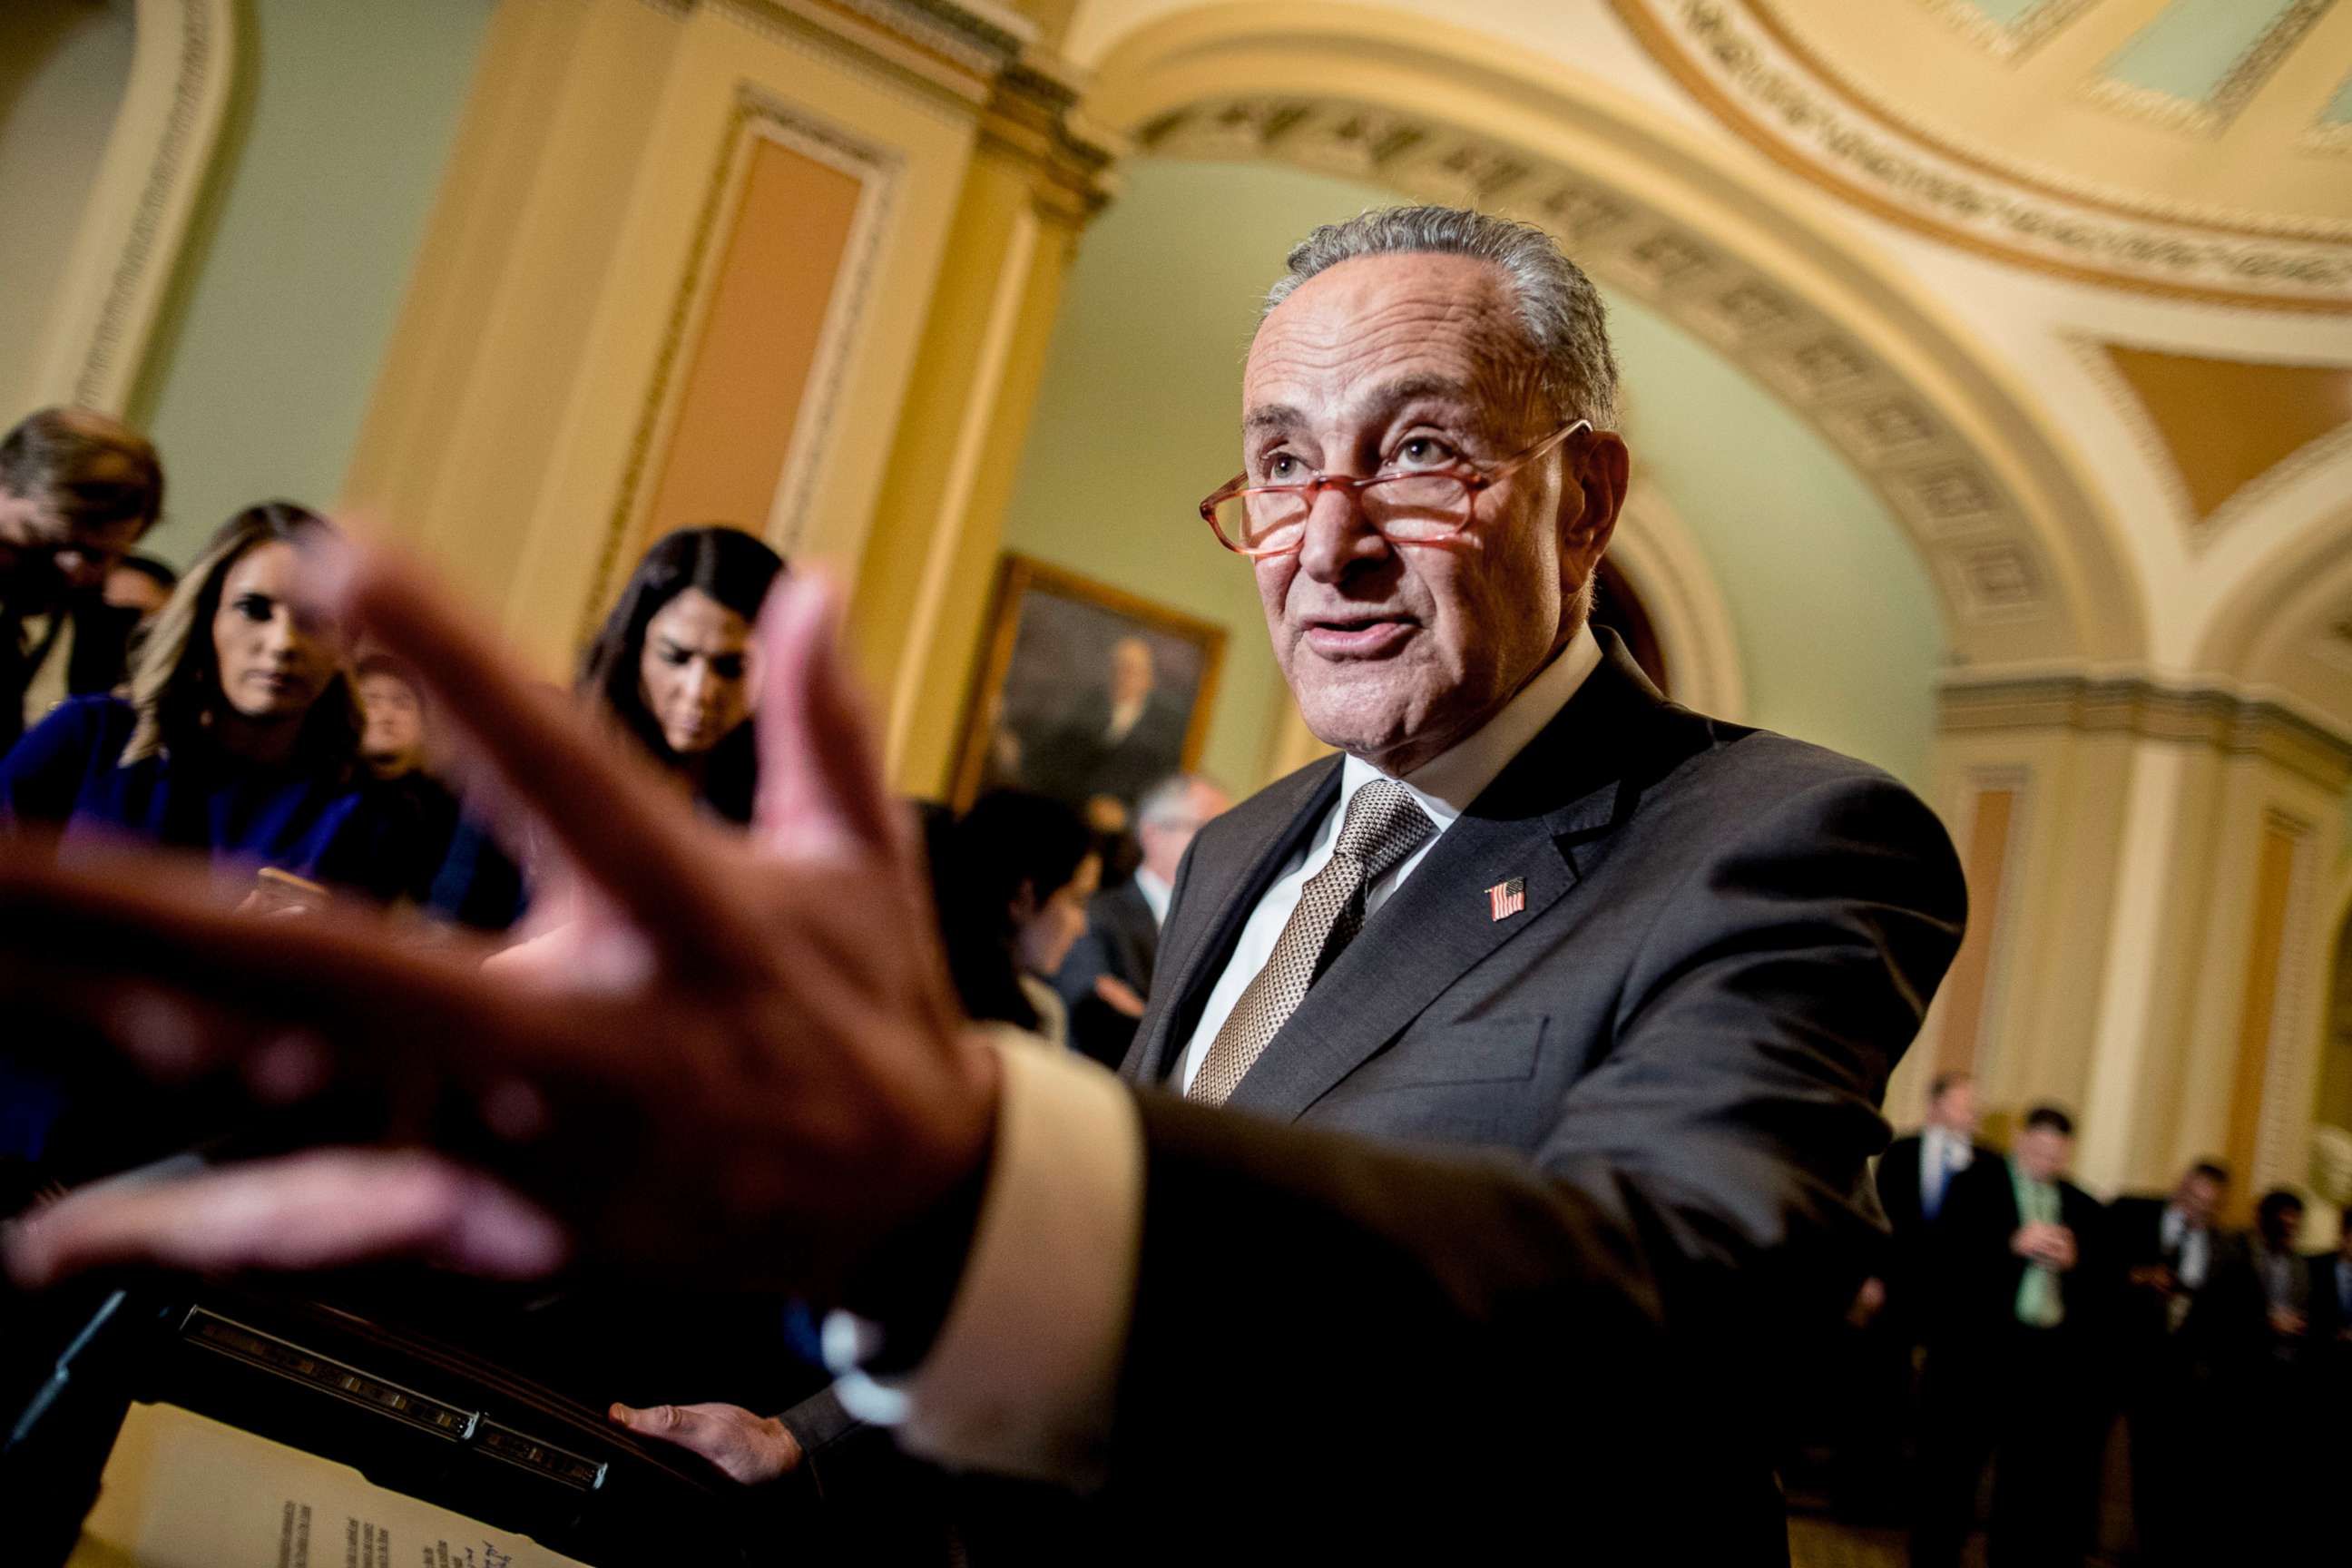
(1283, 469)
(1422, 452)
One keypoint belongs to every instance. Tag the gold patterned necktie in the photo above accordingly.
(1384, 823)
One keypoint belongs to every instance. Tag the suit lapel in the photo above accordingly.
(1540, 820)
(1224, 889)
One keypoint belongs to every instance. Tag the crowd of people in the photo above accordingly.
(2143, 1354)
(217, 711)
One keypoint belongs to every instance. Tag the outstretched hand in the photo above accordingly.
(739, 1061)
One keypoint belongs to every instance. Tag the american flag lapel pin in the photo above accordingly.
(1508, 898)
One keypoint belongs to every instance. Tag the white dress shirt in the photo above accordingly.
(1155, 892)
(1020, 1381)
(2192, 1250)
(1943, 1154)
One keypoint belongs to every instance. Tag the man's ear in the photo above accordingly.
(1598, 481)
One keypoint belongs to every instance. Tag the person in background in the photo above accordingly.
(140, 583)
(2015, 1322)
(2173, 1341)
(1108, 974)
(2281, 1271)
(1879, 1430)
(239, 738)
(240, 734)
(77, 492)
(1012, 888)
(672, 667)
(394, 746)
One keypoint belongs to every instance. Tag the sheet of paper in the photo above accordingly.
(182, 1491)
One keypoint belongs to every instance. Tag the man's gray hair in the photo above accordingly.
(1560, 311)
(1170, 799)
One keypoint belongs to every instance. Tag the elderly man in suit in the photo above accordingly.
(1107, 973)
(1508, 1084)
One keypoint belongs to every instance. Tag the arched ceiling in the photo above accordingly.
(2202, 148)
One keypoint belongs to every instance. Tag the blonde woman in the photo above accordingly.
(239, 737)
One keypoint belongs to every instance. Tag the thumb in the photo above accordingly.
(670, 1423)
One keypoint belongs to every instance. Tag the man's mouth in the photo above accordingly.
(1358, 635)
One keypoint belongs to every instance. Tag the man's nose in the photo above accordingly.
(1338, 536)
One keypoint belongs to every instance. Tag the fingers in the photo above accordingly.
(152, 917)
(309, 1212)
(214, 987)
(747, 1447)
(611, 819)
(821, 793)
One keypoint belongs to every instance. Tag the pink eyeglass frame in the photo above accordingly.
(1474, 482)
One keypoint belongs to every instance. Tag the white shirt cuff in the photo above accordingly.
(1022, 1378)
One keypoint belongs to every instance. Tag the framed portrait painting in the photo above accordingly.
(1088, 694)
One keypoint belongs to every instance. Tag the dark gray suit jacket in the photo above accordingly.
(1671, 1060)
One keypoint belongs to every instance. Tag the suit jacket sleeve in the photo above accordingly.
(1704, 1184)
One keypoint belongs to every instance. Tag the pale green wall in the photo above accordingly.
(1836, 619)
(257, 382)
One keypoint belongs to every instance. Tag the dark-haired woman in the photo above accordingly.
(672, 664)
(239, 737)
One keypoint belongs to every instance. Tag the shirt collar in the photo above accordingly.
(1155, 893)
(1448, 783)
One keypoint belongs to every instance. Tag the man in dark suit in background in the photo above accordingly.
(1108, 974)
(76, 491)
(2174, 1344)
(2019, 1313)
(1878, 1422)
(1913, 1176)
(1508, 1085)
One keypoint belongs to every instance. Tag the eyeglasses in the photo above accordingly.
(1259, 520)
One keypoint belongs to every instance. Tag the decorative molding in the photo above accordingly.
(2010, 40)
(141, 203)
(2212, 116)
(1965, 520)
(2223, 721)
(2283, 1128)
(1033, 117)
(1743, 70)
(976, 42)
(757, 115)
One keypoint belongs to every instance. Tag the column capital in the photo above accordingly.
(1032, 118)
(2216, 717)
